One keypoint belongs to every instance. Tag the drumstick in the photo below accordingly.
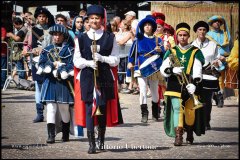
(151, 51)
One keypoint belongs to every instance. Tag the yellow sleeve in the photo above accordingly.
(232, 60)
(171, 41)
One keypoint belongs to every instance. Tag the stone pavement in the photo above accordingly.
(22, 139)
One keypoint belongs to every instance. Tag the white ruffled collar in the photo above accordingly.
(145, 35)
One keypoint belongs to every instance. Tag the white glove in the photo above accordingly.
(99, 57)
(191, 88)
(64, 75)
(90, 63)
(36, 65)
(47, 69)
(39, 71)
(178, 70)
(71, 73)
(55, 73)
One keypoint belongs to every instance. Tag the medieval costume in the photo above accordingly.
(144, 48)
(57, 92)
(222, 38)
(96, 91)
(39, 38)
(210, 81)
(182, 60)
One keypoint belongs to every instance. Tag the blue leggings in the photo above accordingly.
(177, 111)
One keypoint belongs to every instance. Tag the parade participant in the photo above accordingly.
(183, 59)
(95, 51)
(222, 38)
(56, 92)
(38, 39)
(160, 20)
(158, 15)
(144, 47)
(168, 37)
(233, 71)
(160, 28)
(210, 81)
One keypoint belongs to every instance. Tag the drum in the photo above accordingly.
(150, 66)
(231, 80)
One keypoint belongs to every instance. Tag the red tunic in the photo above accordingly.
(79, 105)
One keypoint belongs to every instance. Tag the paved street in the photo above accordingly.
(22, 139)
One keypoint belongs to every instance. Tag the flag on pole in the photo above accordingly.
(96, 100)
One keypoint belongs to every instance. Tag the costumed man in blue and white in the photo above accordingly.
(95, 55)
(57, 90)
(146, 56)
(222, 37)
(183, 59)
(210, 81)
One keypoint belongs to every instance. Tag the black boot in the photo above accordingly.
(220, 100)
(40, 108)
(51, 133)
(65, 131)
(101, 137)
(189, 138)
(155, 111)
(144, 113)
(91, 140)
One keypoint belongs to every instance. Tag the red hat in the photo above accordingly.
(159, 21)
(169, 28)
(158, 15)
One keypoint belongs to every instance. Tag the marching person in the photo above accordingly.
(95, 51)
(56, 91)
(38, 38)
(183, 59)
(210, 81)
(145, 46)
(233, 68)
(222, 37)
